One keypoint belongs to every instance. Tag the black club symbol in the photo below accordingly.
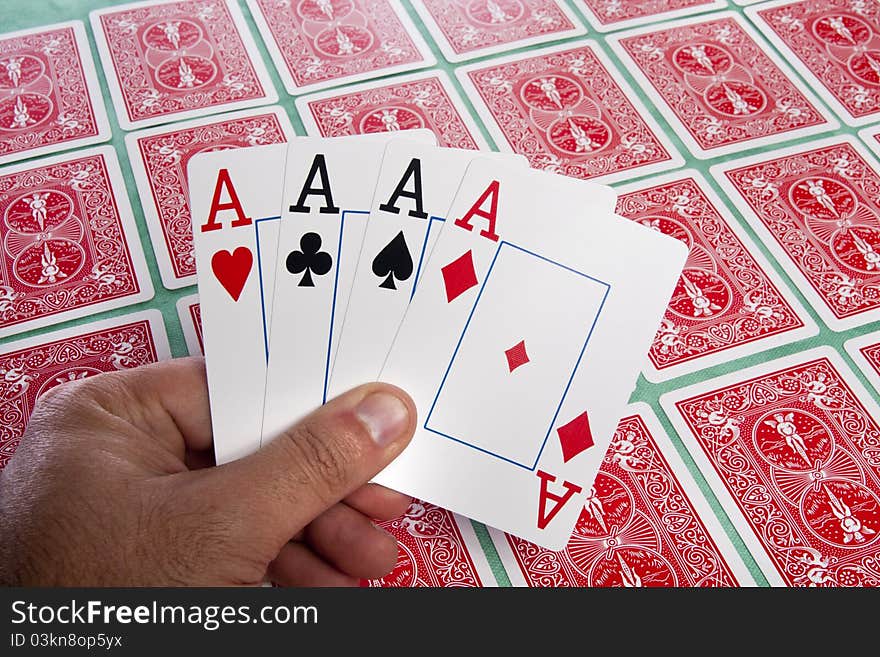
(309, 259)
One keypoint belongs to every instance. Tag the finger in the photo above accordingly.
(378, 502)
(273, 493)
(297, 565)
(180, 386)
(197, 460)
(348, 540)
(168, 400)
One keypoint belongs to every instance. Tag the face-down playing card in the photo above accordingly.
(521, 346)
(416, 185)
(789, 447)
(834, 45)
(169, 60)
(718, 86)
(49, 94)
(235, 197)
(68, 241)
(328, 186)
(816, 208)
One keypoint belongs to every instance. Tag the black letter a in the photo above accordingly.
(318, 167)
(414, 171)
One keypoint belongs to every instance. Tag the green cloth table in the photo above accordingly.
(21, 14)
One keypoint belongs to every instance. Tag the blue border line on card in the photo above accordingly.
(431, 221)
(333, 306)
(262, 289)
(570, 379)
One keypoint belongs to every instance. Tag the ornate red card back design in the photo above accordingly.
(724, 298)
(44, 94)
(327, 40)
(470, 25)
(28, 373)
(177, 57)
(195, 314)
(720, 84)
(165, 158)
(431, 550)
(638, 527)
(871, 353)
(609, 12)
(409, 105)
(822, 206)
(64, 246)
(564, 111)
(797, 452)
(838, 41)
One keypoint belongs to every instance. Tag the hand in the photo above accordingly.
(113, 485)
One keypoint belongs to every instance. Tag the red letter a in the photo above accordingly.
(544, 517)
(223, 180)
(477, 210)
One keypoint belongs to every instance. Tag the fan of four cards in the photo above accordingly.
(511, 304)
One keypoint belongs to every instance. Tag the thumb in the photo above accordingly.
(281, 488)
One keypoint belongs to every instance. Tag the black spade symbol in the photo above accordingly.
(393, 262)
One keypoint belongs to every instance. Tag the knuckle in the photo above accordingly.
(323, 456)
(51, 396)
(54, 401)
(70, 398)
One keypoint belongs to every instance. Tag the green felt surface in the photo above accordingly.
(20, 14)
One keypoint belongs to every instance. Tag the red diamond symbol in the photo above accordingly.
(575, 437)
(459, 276)
(517, 355)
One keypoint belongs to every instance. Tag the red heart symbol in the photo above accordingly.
(232, 269)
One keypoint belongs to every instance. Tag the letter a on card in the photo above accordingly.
(477, 210)
(546, 513)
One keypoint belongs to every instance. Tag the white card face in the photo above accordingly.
(416, 185)
(522, 345)
(235, 198)
(328, 186)
(546, 339)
